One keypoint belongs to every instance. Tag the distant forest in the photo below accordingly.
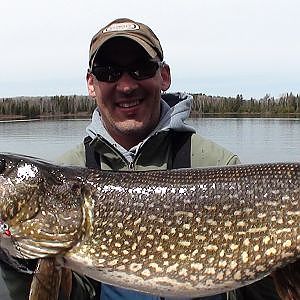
(74, 105)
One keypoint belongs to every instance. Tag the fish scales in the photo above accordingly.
(192, 232)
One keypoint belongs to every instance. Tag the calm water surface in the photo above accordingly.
(254, 140)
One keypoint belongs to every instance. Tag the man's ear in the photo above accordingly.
(90, 84)
(166, 77)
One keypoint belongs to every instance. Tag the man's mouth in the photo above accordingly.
(129, 104)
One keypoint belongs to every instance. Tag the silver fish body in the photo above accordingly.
(181, 232)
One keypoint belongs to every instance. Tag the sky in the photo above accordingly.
(215, 47)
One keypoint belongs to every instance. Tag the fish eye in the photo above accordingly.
(2, 165)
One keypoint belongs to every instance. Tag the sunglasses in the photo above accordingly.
(139, 71)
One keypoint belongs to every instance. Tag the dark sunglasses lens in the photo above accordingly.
(106, 73)
(140, 71)
(144, 71)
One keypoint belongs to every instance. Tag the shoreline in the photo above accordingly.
(83, 115)
(86, 115)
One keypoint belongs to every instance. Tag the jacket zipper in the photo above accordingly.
(130, 165)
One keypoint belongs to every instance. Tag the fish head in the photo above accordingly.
(40, 206)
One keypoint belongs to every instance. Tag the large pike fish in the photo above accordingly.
(183, 232)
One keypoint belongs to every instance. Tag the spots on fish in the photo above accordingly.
(113, 262)
(222, 263)
(260, 268)
(256, 248)
(233, 264)
(128, 232)
(261, 215)
(183, 272)
(246, 242)
(257, 257)
(150, 236)
(237, 275)
(210, 207)
(258, 229)
(266, 240)
(143, 229)
(270, 251)
(182, 256)
(234, 247)
(92, 250)
(245, 257)
(134, 267)
(211, 222)
(159, 249)
(228, 223)
(200, 237)
(228, 236)
(211, 248)
(146, 272)
(172, 268)
(184, 213)
(220, 276)
(156, 267)
(143, 252)
(210, 271)
(152, 217)
(184, 243)
(287, 243)
(173, 230)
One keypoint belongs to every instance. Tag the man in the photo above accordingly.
(132, 127)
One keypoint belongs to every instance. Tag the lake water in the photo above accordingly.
(253, 139)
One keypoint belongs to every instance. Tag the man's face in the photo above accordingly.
(130, 108)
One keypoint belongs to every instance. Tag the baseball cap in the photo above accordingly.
(127, 28)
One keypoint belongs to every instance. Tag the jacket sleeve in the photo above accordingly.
(206, 153)
(73, 157)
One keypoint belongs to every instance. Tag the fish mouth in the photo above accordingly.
(33, 249)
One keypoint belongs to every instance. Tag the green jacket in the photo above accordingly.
(155, 154)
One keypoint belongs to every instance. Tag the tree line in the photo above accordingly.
(34, 107)
(266, 106)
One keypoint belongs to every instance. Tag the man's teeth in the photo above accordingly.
(130, 104)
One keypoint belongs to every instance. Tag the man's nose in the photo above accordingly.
(126, 84)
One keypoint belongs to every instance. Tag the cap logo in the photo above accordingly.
(121, 27)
